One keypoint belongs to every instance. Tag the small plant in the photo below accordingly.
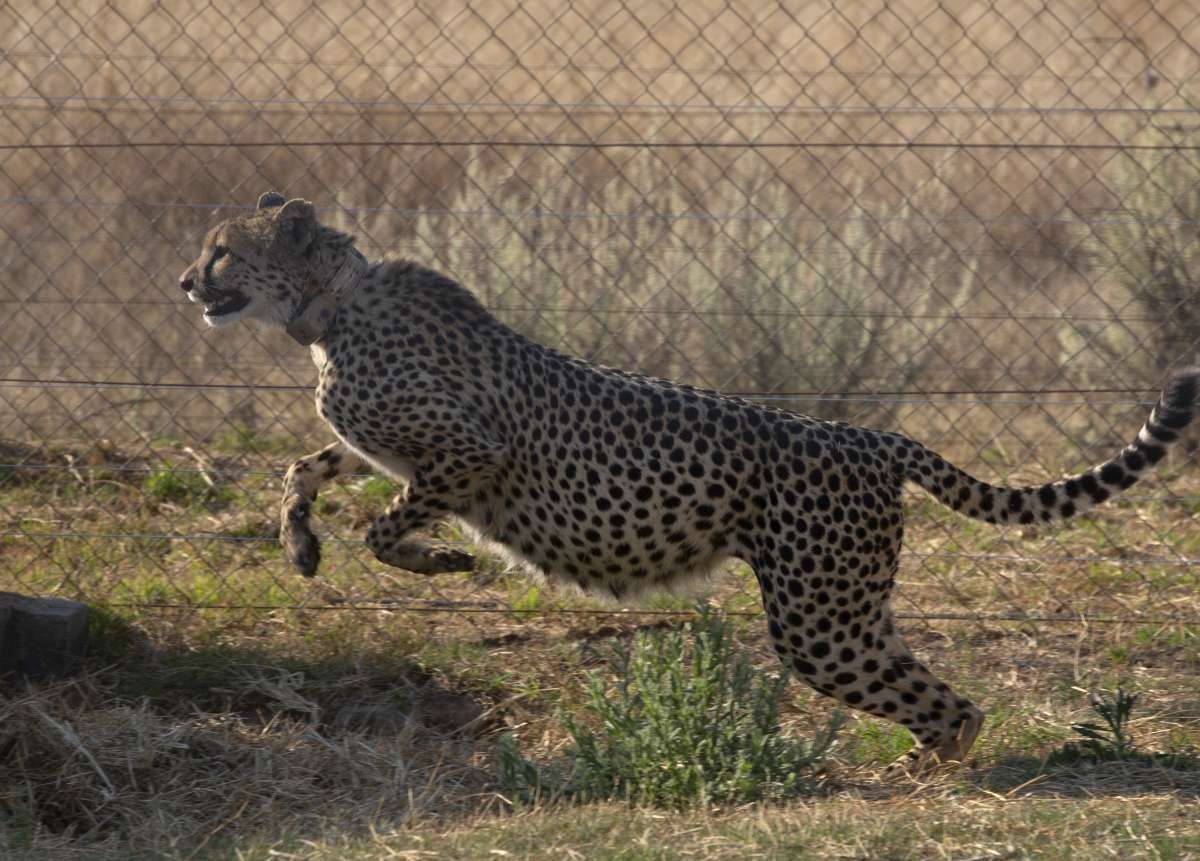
(684, 725)
(110, 636)
(525, 601)
(240, 438)
(1111, 742)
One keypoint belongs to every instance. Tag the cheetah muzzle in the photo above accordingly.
(614, 482)
(221, 305)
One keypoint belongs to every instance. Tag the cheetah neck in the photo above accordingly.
(320, 301)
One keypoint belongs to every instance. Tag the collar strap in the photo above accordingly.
(320, 301)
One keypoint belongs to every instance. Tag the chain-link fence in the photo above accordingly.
(976, 223)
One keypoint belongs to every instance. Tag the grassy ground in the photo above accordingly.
(254, 714)
(946, 822)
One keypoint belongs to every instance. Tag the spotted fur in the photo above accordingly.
(619, 483)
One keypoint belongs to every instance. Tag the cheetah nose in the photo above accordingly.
(186, 283)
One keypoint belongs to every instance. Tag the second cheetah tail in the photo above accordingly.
(1058, 500)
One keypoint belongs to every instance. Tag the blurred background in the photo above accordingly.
(975, 223)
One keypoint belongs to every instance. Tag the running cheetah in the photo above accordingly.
(614, 482)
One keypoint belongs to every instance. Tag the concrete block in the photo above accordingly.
(41, 637)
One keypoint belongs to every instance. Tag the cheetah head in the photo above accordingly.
(258, 266)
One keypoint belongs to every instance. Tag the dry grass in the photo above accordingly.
(258, 766)
(85, 768)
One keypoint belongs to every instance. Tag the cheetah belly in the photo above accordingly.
(350, 432)
(582, 537)
(393, 466)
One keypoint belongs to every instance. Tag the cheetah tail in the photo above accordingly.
(1059, 500)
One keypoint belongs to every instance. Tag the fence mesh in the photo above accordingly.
(976, 224)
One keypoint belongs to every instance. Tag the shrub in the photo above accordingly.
(743, 293)
(685, 724)
(1149, 247)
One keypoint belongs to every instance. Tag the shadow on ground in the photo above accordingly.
(1024, 776)
(166, 748)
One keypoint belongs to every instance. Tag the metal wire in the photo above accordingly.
(491, 143)
(1069, 80)
(910, 397)
(453, 607)
(11, 381)
(483, 107)
(270, 539)
(561, 215)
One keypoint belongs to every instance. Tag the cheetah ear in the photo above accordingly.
(297, 222)
(270, 200)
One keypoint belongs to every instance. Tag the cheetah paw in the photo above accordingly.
(447, 560)
(421, 559)
(300, 544)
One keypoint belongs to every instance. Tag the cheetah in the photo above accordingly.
(614, 482)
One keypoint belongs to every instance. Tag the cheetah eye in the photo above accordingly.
(219, 252)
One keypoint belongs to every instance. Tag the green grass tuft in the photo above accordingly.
(184, 487)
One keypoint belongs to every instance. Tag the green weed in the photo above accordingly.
(877, 743)
(1109, 742)
(689, 721)
(1112, 740)
(244, 439)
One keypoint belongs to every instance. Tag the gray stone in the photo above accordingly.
(41, 637)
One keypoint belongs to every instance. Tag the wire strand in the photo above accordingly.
(500, 107)
(569, 215)
(1184, 562)
(941, 73)
(491, 143)
(1109, 390)
(452, 607)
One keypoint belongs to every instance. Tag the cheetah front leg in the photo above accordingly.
(304, 479)
(443, 483)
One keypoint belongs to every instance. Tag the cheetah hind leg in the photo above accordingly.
(952, 749)
(877, 674)
(945, 725)
(441, 484)
(900, 689)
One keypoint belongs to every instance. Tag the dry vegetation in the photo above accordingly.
(648, 258)
(358, 717)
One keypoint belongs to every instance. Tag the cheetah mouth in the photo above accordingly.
(223, 307)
